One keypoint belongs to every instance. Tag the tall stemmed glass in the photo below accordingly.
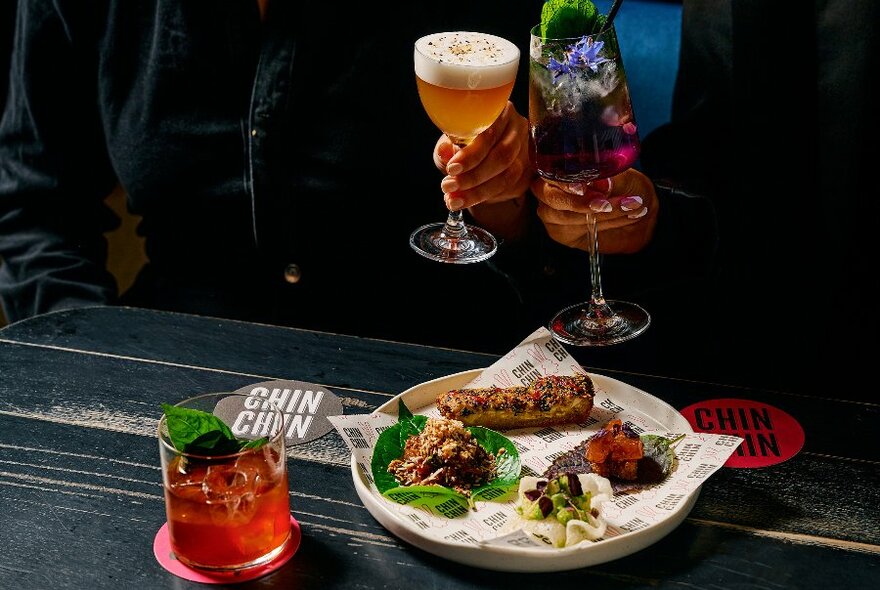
(582, 124)
(464, 80)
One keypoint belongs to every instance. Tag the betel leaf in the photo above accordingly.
(409, 426)
(507, 465)
(562, 19)
(202, 433)
(660, 449)
(390, 444)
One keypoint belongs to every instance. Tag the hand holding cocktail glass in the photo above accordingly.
(464, 81)
(626, 212)
(584, 133)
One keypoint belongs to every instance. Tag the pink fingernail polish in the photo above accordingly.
(600, 206)
(454, 169)
(449, 185)
(641, 213)
(631, 203)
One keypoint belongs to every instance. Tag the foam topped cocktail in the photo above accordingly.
(464, 80)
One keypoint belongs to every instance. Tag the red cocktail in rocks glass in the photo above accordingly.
(229, 511)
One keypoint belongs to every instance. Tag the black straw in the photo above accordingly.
(611, 14)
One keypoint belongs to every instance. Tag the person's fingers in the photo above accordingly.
(626, 214)
(564, 197)
(471, 156)
(506, 185)
(504, 174)
(616, 236)
(633, 194)
(552, 215)
(629, 182)
(573, 236)
(601, 186)
(558, 217)
(507, 148)
(444, 149)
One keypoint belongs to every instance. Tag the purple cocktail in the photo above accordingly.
(580, 111)
(583, 129)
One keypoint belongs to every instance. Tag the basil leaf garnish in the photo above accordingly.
(202, 433)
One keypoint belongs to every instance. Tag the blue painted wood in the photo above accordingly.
(81, 488)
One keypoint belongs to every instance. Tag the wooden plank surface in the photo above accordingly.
(81, 487)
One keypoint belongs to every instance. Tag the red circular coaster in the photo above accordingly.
(167, 559)
(770, 435)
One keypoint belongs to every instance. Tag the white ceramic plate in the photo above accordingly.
(524, 559)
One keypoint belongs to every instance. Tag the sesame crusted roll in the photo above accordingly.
(550, 400)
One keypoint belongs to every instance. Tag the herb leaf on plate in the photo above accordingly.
(390, 446)
(660, 449)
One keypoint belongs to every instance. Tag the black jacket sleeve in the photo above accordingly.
(54, 170)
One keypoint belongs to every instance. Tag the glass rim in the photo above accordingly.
(535, 33)
(166, 442)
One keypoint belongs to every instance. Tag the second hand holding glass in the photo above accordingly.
(581, 120)
(464, 81)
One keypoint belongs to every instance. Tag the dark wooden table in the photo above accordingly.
(82, 493)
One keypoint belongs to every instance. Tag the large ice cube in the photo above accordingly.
(184, 479)
(230, 491)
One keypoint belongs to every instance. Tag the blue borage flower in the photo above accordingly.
(583, 54)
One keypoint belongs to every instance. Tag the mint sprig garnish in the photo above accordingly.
(202, 433)
(561, 19)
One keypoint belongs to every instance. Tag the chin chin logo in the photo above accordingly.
(305, 407)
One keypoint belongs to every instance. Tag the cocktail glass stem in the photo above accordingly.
(597, 298)
(453, 241)
(455, 228)
(599, 315)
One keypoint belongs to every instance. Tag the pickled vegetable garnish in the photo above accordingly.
(564, 510)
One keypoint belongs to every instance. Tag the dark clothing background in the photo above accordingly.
(774, 117)
(245, 147)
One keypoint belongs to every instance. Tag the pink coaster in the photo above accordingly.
(167, 559)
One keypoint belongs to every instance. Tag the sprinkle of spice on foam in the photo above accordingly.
(461, 48)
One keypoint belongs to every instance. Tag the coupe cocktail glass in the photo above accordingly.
(583, 129)
(228, 512)
(464, 81)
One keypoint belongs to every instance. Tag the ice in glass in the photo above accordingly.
(580, 110)
(232, 510)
